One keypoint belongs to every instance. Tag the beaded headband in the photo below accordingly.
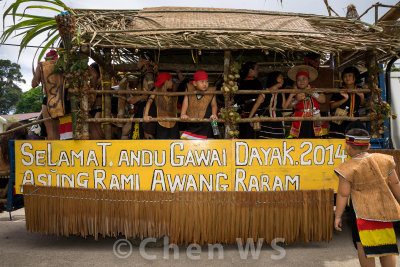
(358, 140)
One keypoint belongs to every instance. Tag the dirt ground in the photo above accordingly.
(18, 247)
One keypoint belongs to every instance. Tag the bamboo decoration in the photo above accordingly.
(230, 86)
(380, 109)
(186, 217)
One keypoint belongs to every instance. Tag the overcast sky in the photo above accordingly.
(298, 6)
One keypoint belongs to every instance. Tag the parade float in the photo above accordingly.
(203, 191)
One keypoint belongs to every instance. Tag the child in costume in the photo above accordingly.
(305, 105)
(166, 107)
(199, 106)
(372, 182)
(95, 102)
(269, 105)
(346, 104)
(248, 81)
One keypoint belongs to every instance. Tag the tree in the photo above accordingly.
(10, 92)
(31, 101)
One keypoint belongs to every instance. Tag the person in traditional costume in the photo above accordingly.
(312, 59)
(248, 81)
(346, 104)
(20, 134)
(305, 105)
(199, 106)
(270, 105)
(147, 67)
(374, 187)
(166, 108)
(45, 75)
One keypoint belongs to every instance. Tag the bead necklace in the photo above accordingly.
(359, 154)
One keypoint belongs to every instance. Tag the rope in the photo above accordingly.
(194, 60)
(179, 200)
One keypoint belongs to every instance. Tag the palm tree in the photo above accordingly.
(30, 26)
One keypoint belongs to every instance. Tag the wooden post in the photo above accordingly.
(227, 97)
(106, 85)
(85, 111)
(123, 84)
(74, 116)
(337, 78)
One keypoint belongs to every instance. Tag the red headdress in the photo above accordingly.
(52, 54)
(161, 78)
(200, 76)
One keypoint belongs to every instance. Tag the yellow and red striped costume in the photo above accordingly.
(378, 238)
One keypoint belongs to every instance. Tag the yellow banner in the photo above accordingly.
(171, 165)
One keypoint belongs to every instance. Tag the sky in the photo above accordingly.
(297, 6)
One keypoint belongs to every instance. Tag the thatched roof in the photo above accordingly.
(211, 28)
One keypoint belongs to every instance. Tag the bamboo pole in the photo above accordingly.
(25, 126)
(258, 119)
(121, 98)
(240, 92)
(264, 67)
(228, 98)
(221, 29)
(141, 11)
(74, 113)
(106, 85)
(85, 114)
(366, 11)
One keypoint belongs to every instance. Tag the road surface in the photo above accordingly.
(18, 247)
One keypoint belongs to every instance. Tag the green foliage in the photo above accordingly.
(395, 68)
(31, 26)
(11, 96)
(31, 101)
(9, 90)
(11, 119)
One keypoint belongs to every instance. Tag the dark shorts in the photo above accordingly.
(353, 224)
(167, 133)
